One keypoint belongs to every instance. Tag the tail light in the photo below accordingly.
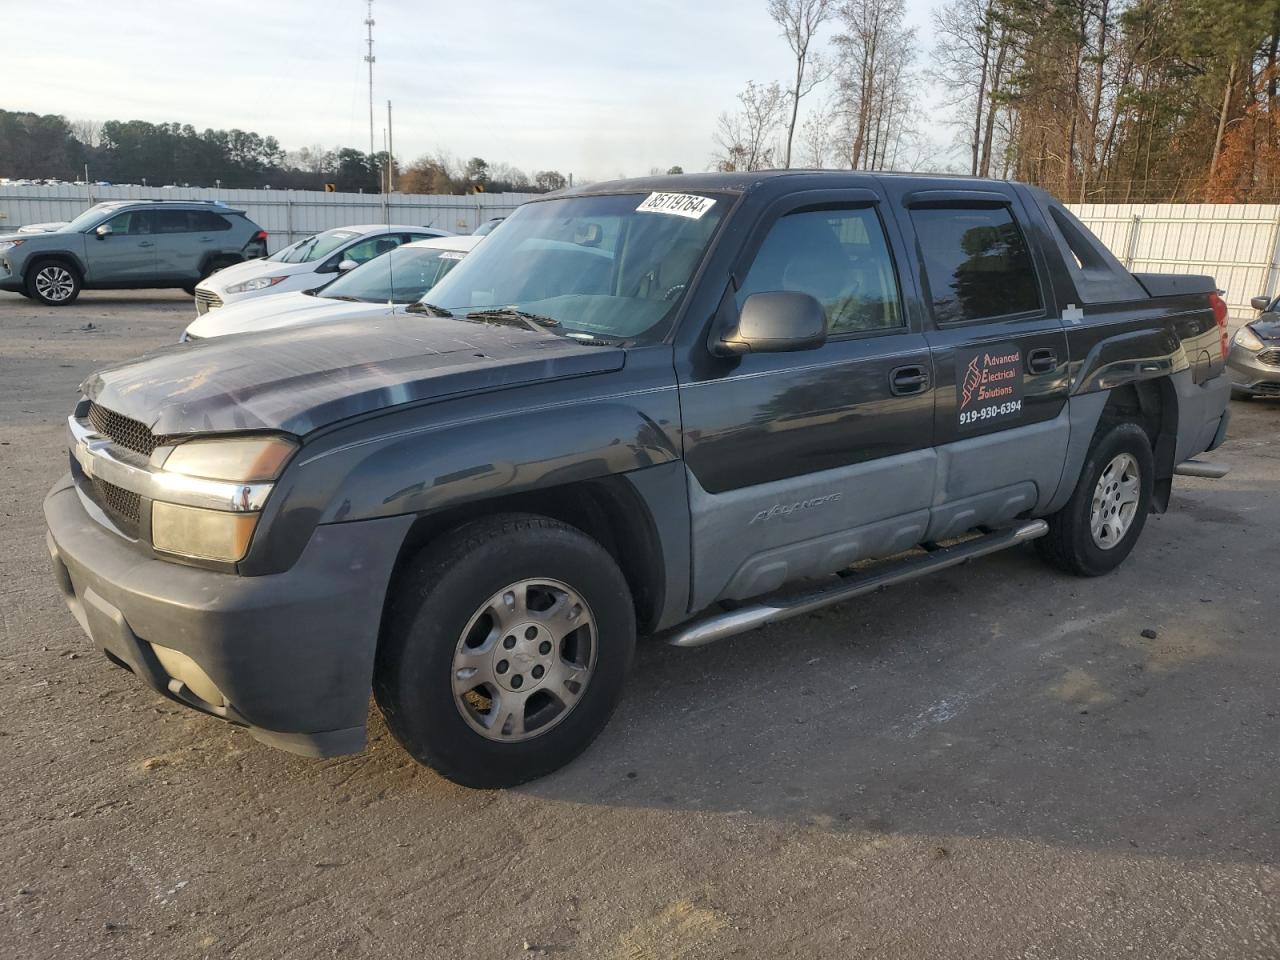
(1219, 307)
(259, 239)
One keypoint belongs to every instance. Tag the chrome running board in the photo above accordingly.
(1201, 468)
(750, 617)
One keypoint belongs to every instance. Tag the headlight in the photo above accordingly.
(1246, 338)
(259, 283)
(205, 465)
(10, 244)
(239, 459)
(203, 534)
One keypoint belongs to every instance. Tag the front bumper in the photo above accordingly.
(1250, 375)
(289, 656)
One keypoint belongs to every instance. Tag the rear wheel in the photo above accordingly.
(505, 653)
(1102, 521)
(53, 282)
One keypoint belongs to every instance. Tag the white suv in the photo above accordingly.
(306, 264)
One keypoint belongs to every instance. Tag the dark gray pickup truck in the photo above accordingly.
(649, 406)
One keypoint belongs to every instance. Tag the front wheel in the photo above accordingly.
(505, 653)
(1102, 521)
(53, 283)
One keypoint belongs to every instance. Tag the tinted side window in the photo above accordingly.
(840, 257)
(368, 249)
(202, 221)
(171, 221)
(132, 224)
(976, 261)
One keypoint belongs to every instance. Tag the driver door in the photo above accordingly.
(126, 255)
(802, 463)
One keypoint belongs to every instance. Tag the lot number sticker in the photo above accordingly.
(988, 385)
(681, 204)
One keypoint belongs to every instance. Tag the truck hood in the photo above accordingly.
(281, 310)
(298, 381)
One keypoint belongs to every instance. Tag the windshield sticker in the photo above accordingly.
(681, 204)
(988, 385)
(451, 255)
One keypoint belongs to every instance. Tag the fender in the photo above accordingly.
(423, 460)
(1129, 358)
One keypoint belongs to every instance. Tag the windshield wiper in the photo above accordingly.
(430, 309)
(533, 321)
(341, 296)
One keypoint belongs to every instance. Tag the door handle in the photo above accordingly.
(1042, 360)
(147, 243)
(909, 380)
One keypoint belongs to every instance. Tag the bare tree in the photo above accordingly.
(818, 140)
(88, 132)
(800, 21)
(874, 80)
(745, 138)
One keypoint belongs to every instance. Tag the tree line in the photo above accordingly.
(1095, 100)
(51, 147)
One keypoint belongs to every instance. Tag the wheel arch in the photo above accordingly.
(1152, 405)
(65, 257)
(609, 509)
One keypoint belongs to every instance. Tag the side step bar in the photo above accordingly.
(757, 615)
(1199, 468)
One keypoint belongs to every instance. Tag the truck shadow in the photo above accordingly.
(996, 700)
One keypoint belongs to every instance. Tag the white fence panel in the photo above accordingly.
(1236, 243)
(1239, 244)
(286, 215)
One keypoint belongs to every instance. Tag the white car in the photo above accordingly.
(306, 264)
(380, 286)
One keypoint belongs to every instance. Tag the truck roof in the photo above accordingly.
(740, 182)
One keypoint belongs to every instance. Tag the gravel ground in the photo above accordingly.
(995, 762)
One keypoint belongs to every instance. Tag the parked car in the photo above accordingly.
(306, 264)
(378, 287)
(1254, 361)
(640, 406)
(128, 244)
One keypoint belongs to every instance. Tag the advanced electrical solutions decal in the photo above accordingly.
(988, 385)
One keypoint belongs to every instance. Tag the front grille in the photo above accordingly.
(1271, 357)
(122, 430)
(207, 300)
(122, 506)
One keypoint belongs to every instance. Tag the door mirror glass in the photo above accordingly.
(346, 265)
(1260, 303)
(776, 322)
(103, 231)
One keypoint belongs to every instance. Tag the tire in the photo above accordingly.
(442, 677)
(54, 283)
(1071, 544)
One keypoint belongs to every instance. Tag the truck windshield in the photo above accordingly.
(401, 276)
(607, 266)
(313, 248)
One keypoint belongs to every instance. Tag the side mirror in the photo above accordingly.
(775, 322)
(346, 265)
(103, 231)
(1260, 303)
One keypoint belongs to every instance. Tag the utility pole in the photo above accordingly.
(391, 154)
(369, 58)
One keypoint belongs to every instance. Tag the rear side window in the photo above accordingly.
(839, 257)
(171, 221)
(202, 221)
(976, 261)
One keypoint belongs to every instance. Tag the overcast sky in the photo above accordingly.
(594, 87)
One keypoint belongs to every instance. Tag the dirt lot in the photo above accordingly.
(991, 763)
